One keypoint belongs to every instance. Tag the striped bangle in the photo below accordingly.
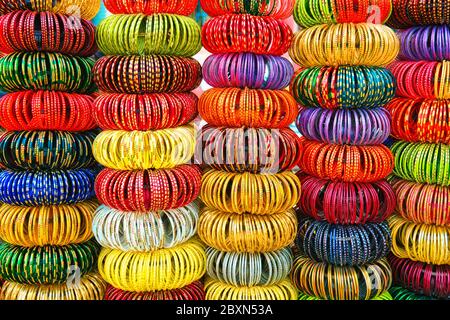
(409, 13)
(384, 296)
(279, 9)
(181, 7)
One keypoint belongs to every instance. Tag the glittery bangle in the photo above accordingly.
(408, 13)
(191, 292)
(279, 9)
(182, 7)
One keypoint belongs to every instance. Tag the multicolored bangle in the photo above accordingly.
(408, 13)
(192, 292)
(399, 293)
(278, 9)
(384, 296)
(181, 7)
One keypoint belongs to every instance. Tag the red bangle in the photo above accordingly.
(194, 291)
(145, 112)
(246, 33)
(182, 7)
(46, 110)
(409, 13)
(278, 9)
(346, 203)
(148, 190)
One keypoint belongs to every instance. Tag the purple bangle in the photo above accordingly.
(345, 126)
(248, 70)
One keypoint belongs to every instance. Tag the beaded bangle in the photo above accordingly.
(144, 112)
(46, 188)
(422, 163)
(46, 150)
(49, 225)
(247, 192)
(346, 163)
(330, 282)
(191, 292)
(430, 80)
(249, 150)
(247, 232)
(148, 190)
(233, 107)
(247, 70)
(352, 126)
(422, 203)
(308, 13)
(138, 150)
(90, 287)
(278, 9)
(182, 7)
(421, 278)
(164, 269)
(408, 13)
(236, 33)
(420, 242)
(145, 231)
(384, 297)
(146, 74)
(331, 45)
(216, 290)
(46, 31)
(162, 34)
(46, 110)
(399, 294)
(343, 87)
(46, 265)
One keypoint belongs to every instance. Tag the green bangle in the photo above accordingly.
(399, 293)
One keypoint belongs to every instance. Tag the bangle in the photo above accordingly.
(164, 269)
(327, 281)
(46, 110)
(233, 107)
(146, 74)
(46, 150)
(343, 87)
(384, 296)
(422, 163)
(144, 112)
(308, 13)
(42, 188)
(46, 265)
(409, 13)
(247, 232)
(351, 245)
(247, 192)
(148, 190)
(420, 242)
(346, 163)
(278, 9)
(216, 290)
(313, 47)
(248, 150)
(423, 79)
(349, 126)
(422, 203)
(399, 294)
(248, 70)
(49, 225)
(162, 34)
(346, 203)
(420, 120)
(235, 33)
(139, 150)
(46, 31)
(181, 7)
(421, 278)
(192, 292)
(156, 230)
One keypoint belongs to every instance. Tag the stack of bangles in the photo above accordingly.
(46, 31)
(410, 13)
(347, 163)
(421, 120)
(422, 162)
(346, 203)
(249, 149)
(398, 293)
(326, 281)
(180, 7)
(423, 79)
(46, 110)
(191, 292)
(422, 278)
(420, 242)
(148, 190)
(385, 296)
(273, 8)
(146, 74)
(340, 44)
(234, 107)
(343, 87)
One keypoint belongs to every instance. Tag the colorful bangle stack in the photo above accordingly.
(420, 120)
(149, 217)
(343, 236)
(249, 191)
(47, 188)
